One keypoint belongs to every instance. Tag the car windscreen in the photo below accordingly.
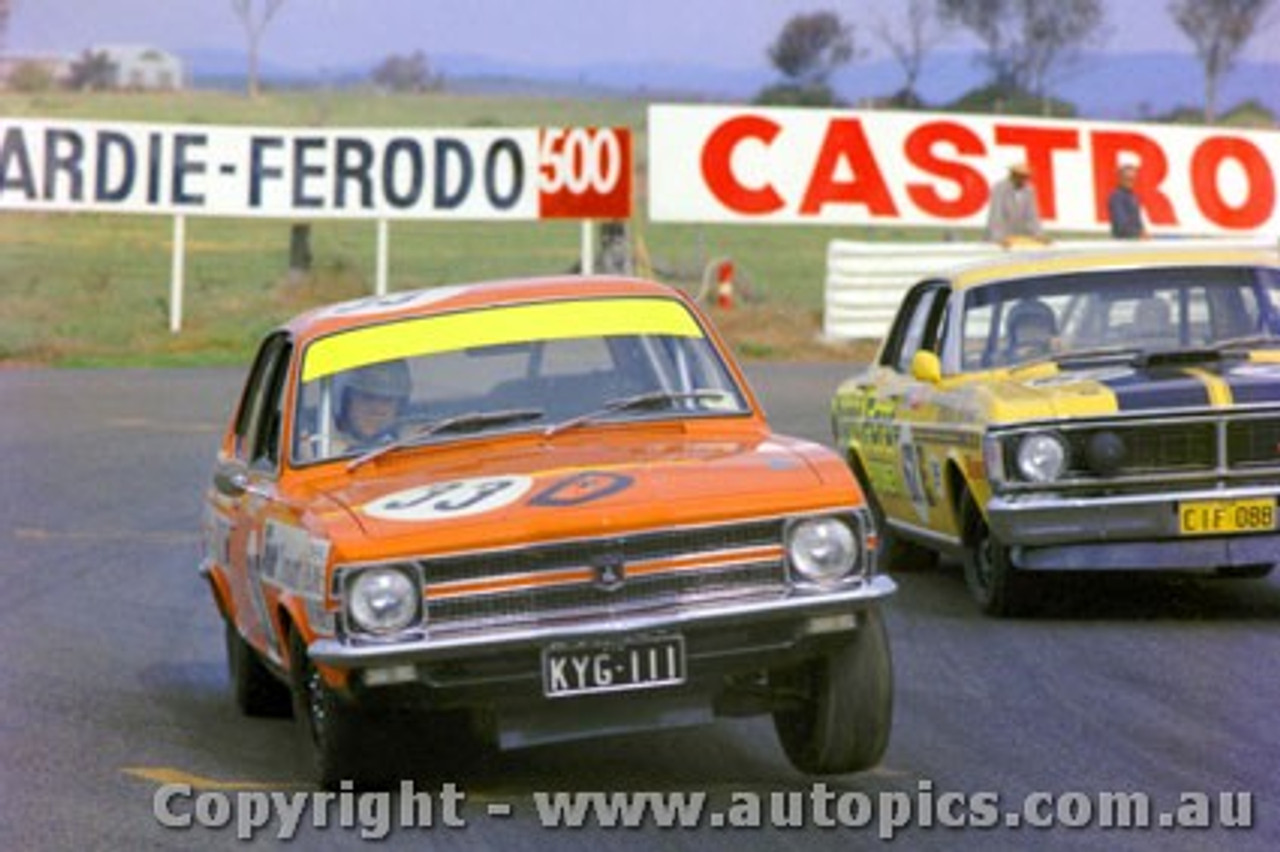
(1153, 309)
(506, 367)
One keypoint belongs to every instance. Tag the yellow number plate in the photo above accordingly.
(1212, 517)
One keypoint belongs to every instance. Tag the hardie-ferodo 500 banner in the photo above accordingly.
(854, 167)
(491, 173)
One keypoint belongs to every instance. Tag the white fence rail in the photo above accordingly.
(866, 281)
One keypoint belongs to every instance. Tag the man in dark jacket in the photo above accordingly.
(1123, 208)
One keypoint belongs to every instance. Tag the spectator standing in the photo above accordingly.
(1123, 206)
(1014, 215)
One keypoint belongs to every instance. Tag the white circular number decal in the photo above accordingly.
(455, 499)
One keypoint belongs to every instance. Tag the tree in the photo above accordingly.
(411, 73)
(1026, 40)
(92, 71)
(920, 33)
(808, 49)
(255, 17)
(1219, 30)
(32, 76)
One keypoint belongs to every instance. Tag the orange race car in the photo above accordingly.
(552, 508)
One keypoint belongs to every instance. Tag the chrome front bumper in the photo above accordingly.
(1123, 532)
(797, 606)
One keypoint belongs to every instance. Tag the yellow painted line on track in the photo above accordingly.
(168, 775)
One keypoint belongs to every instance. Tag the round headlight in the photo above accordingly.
(1041, 457)
(823, 550)
(383, 600)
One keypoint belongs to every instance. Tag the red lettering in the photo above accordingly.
(1109, 148)
(846, 143)
(1039, 145)
(973, 192)
(717, 165)
(1206, 165)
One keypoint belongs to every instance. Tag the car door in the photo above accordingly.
(247, 487)
(893, 403)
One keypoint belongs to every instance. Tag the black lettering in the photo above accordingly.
(396, 151)
(64, 153)
(184, 165)
(15, 164)
(354, 159)
(259, 171)
(303, 169)
(492, 171)
(154, 163)
(446, 150)
(103, 189)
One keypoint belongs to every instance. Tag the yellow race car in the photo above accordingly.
(1068, 411)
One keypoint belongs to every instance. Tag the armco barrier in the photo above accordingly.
(866, 281)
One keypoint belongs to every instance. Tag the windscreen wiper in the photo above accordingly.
(638, 402)
(474, 421)
(1071, 357)
(1248, 341)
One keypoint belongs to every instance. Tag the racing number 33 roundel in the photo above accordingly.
(445, 500)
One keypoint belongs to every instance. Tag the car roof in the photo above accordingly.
(1030, 264)
(449, 298)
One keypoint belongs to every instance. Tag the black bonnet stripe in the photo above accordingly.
(1144, 390)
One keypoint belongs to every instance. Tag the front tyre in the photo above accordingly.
(843, 708)
(328, 726)
(257, 692)
(995, 585)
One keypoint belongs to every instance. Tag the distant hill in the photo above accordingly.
(1102, 85)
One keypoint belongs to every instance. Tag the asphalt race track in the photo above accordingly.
(113, 683)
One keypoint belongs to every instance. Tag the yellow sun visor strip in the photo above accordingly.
(496, 327)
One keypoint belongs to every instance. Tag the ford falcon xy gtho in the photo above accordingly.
(550, 507)
(1076, 412)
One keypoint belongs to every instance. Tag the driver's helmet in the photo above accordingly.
(387, 379)
(1031, 323)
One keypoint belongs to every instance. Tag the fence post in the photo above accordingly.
(177, 273)
(380, 276)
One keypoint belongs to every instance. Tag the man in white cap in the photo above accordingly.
(1013, 216)
(1123, 207)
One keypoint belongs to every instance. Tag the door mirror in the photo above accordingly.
(926, 367)
(230, 480)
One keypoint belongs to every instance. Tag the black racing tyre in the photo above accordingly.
(844, 704)
(996, 586)
(329, 727)
(257, 691)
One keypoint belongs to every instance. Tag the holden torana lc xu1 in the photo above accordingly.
(1065, 411)
(551, 507)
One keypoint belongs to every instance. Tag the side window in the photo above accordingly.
(916, 325)
(261, 405)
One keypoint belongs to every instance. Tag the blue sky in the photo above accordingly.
(316, 34)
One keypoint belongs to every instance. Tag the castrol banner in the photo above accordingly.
(921, 169)
(480, 174)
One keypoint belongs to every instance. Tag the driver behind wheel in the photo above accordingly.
(1032, 328)
(371, 400)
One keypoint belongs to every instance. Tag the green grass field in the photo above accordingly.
(89, 289)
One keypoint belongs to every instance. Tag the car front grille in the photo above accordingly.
(604, 577)
(1254, 443)
(1196, 448)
